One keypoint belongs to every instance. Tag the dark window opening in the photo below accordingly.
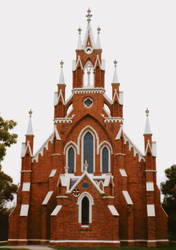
(71, 160)
(88, 151)
(85, 211)
(105, 160)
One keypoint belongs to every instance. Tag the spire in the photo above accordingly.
(98, 43)
(61, 77)
(88, 39)
(79, 45)
(29, 129)
(147, 130)
(115, 77)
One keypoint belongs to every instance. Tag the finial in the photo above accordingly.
(89, 15)
(115, 63)
(147, 112)
(30, 113)
(61, 64)
(98, 30)
(85, 166)
(79, 31)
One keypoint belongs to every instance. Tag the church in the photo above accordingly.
(88, 184)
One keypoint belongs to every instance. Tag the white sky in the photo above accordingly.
(35, 35)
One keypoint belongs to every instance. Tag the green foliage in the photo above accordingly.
(6, 138)
(7, 188)
(168, 188)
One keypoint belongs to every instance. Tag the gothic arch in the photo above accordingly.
(79, 203)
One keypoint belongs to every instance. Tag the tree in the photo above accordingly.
(168, 188)
(7, 188)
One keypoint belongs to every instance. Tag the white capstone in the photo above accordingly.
(113, 210)
(127, 197)
(26, 186)
(24, 210)
(52, 174)
(47, 198)
(56, 210)
(149, 186)
(150, 210)
(123, 172)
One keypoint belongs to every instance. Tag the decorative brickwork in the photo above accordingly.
(88, 184)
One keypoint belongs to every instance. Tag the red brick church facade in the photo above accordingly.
(88, 184)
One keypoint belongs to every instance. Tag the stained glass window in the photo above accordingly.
(88, 151)
(105, 160)
(71, 160)
(85, 211)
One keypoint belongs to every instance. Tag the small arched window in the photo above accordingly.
(88, 155)
(105, 160)
(85, 211)
(71, 160)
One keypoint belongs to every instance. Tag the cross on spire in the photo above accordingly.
(30, 113)
(115, 63)
(147, 112)
(89, 15)
(61, 64)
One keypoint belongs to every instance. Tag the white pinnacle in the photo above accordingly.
(29, 129)
(89, 32)
(98, 43)
(115, 77)
(61, 77)
(147, 130)
(79, 45)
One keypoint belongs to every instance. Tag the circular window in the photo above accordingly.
(88, 102)
(88, 50)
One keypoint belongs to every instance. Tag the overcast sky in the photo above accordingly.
(35, 35)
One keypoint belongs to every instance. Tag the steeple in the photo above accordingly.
(61, 77)
(98, 43)
(115, 77)
(79, 45)
(29, 129)
(147, 130)
(88, 39)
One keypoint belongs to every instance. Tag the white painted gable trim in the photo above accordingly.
(56, 133)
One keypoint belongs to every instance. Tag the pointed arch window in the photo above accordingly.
(71, 160)
(105, 160)
(88, 75)
(85, 211)
(88, 151)
(85, 203)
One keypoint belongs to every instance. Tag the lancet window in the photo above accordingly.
(71, 160)
(88, 75)
(88, 151)
(105, 160)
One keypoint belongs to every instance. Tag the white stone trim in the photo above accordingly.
(56, 210)
(63, 120)
(109, 158)
(88, 90)
(69, 144)
(105, 143)
(47, 198)
(52, 173)
(123, 172)
(150, 210)
(26, 186)
(149, 186)
(74, 149)
(113, 210)
(113, 119)
(79, 203)
(56, 133)
(85, 241)
(24, 210)
(127, 197)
